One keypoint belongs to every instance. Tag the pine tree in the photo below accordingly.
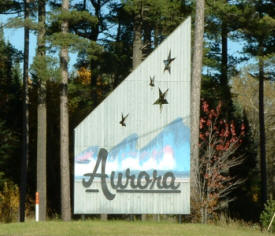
(25, 144)
(222, 22)
(10, 7)
(64, 34)
(258, 30)
(195, 100)
(89, 24)
(11, 106)
(152, 19)
(64, 124)
(42, 113)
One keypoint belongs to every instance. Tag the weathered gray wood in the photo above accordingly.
(128, 203)
(135, 90)
(134, 96)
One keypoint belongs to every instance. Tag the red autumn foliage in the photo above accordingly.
(219, 141)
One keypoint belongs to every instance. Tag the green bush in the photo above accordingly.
(267, 214)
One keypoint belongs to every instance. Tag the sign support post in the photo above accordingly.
(36, 206)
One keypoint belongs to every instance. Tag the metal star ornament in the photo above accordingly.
(123, 118)
(167, 62)
(152, 81)
(162, 99)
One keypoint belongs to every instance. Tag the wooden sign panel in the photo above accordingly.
(132, 153)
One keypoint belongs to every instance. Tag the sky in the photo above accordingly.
(16, 38)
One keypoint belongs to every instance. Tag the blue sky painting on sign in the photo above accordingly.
(169, 150)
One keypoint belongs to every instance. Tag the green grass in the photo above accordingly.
(123, 228)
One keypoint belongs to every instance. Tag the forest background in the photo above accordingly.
(110, 39)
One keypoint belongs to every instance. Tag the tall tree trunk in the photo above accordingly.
(156, 36)
(147, 45)
(137, 54)
(195, 98)
(224, 65)
(25, 143)
(64, 126)
(226, 95)
(97, 5)
(137, 43)
(261, 115)
(116, 80)
(42, 118)
(262, 133)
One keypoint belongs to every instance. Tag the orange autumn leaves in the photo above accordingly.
(84, 76)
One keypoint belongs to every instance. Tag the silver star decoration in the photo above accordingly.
(152, 81)
(162, 99)
(167, 63)
(123, 118)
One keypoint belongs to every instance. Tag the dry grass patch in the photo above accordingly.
(123, 228)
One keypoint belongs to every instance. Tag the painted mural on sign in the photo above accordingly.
(168, 151)
(132, 152)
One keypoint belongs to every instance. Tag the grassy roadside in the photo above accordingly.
(122, 228)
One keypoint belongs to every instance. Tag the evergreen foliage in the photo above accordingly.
(10, 102)
(103, 34)
(44, 67)
(259, 32)
(9, 142)
(10, 6)
(267, 214)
